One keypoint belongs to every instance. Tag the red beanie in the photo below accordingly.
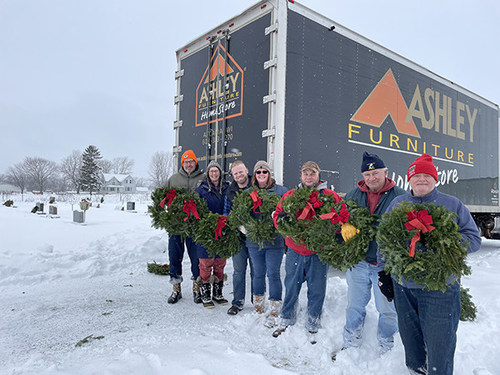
(189, 154)
(423, 164)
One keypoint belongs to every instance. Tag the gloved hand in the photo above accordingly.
(242, 229)
(386, 286)
(283, 217)
(348, 231)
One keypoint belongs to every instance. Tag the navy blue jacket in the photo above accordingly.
(232, 190)
(215, 201)
(386, 198)
(279, 241)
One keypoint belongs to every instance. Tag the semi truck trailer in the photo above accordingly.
(282, 83)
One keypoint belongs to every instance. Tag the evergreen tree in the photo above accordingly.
(90, 175)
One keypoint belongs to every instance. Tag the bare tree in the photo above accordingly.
(70, 169)
(161, 168)
(17, 176)
(105, 165)
(39, 171)
(123, 165)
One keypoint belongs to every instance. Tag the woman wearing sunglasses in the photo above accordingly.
(267, 260)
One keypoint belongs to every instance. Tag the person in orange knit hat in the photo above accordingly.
(188, 177)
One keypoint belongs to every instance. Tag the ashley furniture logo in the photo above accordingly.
(435, 122)
(220, 91)
(386, 100)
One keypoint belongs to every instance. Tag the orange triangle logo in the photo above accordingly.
(219, 67)
(386, 100)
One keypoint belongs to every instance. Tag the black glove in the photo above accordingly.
(283, 217)
(386, 286)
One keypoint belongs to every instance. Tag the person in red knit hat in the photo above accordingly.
(428, 319)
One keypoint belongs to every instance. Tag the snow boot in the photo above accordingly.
(217, 291)
(196, 290)
(176, 294)
(259, 304)
(279, 331)
(233, 310)
(272, 318)
(205, 296)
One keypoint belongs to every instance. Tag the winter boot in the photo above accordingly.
(217, 292)
(259, 304)
(279, 331)
(272, 318)
(176, 294)
(196, 290)
(205, 296)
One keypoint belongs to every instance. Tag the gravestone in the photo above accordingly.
(40, 207)
(52, 210)
(78, 216)
(130, 206)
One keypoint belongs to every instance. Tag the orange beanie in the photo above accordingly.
(189, 154)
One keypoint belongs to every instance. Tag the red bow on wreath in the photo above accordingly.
(257, 202)
(221, 223)
(312, 203)
(169, 197)
(190, 208)
(420, 220)
(342, 217)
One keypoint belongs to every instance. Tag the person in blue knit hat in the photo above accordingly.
(375, 191)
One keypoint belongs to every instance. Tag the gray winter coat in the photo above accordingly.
(182, 180)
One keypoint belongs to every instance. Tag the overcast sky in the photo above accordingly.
(101, 72)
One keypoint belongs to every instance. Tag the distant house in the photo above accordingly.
(118, 183)
(9, 189)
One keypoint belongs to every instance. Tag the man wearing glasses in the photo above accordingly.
(188, 177)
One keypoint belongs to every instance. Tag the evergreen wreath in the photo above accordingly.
(158, 269)
(468, 309)
(177, 210)
(343, 255)
(218, 235)
(253, 208)
(414, 249)
(304, 225)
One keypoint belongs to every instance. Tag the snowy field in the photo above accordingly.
(62, 282)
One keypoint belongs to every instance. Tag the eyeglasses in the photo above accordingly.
(259, 172)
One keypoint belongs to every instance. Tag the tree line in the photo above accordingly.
(82, 171)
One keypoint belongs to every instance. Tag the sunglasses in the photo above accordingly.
(259, 172)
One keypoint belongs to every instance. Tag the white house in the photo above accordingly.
(118, 183)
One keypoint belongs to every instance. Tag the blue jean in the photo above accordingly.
(176, 253)
(300, 268)
(360, 280)
(240, 261)
(267, 260)
(428, 322)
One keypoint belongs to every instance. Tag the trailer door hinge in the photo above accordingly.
(179, 73)
(178, 98)
(268, 133)
(269, 98)
(272, 28)
(177, 124)
(270, 63)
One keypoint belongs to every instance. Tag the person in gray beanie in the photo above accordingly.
(213, 190)
(267, 257)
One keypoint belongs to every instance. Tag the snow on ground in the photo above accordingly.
(62, 282)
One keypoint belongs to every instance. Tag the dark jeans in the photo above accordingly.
(240, 262)
(428, 322)
(176, 253)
